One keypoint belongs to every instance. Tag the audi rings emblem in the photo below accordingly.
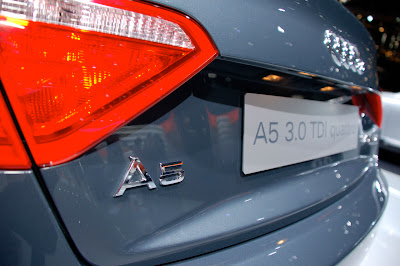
(344, 53)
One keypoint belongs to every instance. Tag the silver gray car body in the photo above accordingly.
(312, 213)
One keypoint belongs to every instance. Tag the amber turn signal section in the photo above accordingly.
(371, 105)
(70, 88)
(12, 151)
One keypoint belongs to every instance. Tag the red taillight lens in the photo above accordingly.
(370, 104)
(12, 151)
(76, 71)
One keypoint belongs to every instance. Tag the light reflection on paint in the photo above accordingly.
(280, 242)
(378, 186)
(327, 88)
(273, 78)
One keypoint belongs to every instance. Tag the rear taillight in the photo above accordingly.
(371, 105)
(12, 151)
(75, 71)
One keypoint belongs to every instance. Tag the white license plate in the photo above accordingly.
(280, 131)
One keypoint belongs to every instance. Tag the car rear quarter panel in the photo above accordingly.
(29, 233)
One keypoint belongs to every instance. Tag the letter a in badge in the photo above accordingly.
(135, 176)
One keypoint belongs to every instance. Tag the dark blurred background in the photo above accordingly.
(382, 19)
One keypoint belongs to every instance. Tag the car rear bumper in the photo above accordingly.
(380, 246)
(327, 236)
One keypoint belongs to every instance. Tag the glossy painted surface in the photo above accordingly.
(284, 33)
(215, 205)
(381, 246)
(28, 231)
(321, 239)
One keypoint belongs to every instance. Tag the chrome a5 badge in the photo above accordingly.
(136, 176)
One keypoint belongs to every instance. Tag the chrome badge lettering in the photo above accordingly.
(344, 53)
(171, 173)
(136, 176)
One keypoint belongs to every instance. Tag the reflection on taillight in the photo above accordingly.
(12, 151)
(76, 71)
(371, 105)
